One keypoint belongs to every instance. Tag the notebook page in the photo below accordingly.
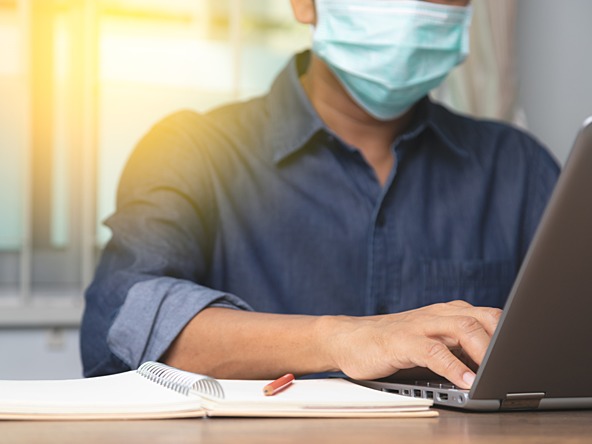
(121, 393)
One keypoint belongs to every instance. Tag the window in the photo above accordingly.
(80, 82)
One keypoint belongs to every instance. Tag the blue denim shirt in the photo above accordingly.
(259, 206)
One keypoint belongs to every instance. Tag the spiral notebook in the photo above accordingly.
(156, 391)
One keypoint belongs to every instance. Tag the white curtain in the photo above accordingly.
(486, 84)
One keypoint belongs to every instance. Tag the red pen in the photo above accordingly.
(278, 385)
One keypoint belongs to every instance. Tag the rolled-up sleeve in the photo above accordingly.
(153, 314)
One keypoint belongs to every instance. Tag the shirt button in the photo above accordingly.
(380, 220)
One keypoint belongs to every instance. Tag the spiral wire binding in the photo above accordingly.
(180, 381)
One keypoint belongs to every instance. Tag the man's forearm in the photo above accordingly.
(227, 343)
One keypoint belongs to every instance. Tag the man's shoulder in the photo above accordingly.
(466, 127)
(232, 124)
(493, 139)
(218, 118)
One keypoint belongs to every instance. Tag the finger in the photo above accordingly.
(487, 316)
(464, 331)
(464, 358)
(438, 358)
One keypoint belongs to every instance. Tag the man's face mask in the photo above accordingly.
(388, 54)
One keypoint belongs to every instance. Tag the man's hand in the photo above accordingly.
(378, 346)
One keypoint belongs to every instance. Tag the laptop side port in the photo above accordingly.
(389, 390)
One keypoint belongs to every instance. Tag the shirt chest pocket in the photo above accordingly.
(482, 283)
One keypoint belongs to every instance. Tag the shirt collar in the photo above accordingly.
(432, 116)
(446, 126)
(293, 119)
(288, 102)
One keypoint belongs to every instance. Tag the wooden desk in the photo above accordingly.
(450, 427)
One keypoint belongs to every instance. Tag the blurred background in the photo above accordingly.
(82, 80)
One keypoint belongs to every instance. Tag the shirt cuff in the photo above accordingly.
(155, 312)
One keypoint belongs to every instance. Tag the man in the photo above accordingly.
(343, 222)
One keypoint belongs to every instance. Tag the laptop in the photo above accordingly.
(540, 356)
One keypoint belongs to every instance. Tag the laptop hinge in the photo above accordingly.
(522, 401)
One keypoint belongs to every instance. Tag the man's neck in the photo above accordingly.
(350, 122)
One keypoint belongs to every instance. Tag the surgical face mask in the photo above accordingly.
(388, 54)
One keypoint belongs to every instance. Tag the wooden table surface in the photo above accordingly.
(450, 427)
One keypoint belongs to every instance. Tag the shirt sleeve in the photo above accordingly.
(152, 276)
